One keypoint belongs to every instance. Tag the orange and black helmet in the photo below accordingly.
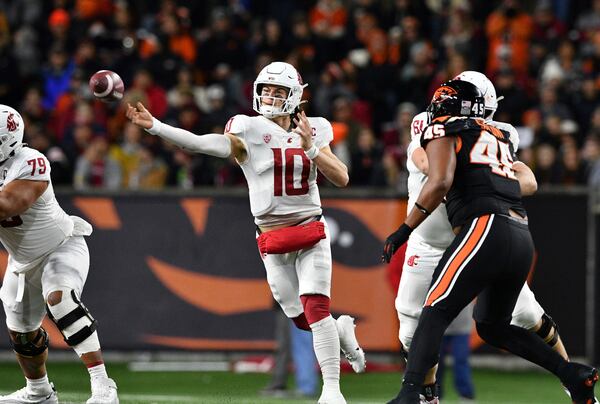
(457, 98)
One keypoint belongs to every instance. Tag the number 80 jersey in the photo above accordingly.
(282, 181)
(484, 181)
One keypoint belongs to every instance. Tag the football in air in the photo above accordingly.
(107, 86)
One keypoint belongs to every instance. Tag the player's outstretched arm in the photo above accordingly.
(526, 178)
(327, 162)
(18, 196)
(213, 144)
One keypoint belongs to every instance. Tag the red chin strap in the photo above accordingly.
(316, 307)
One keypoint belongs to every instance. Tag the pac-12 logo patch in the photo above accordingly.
(267, 137)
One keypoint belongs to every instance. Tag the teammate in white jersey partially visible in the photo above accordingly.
(428, 242)
(48, 262)
(279, 152)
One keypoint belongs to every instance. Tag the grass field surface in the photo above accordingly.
(72, 383)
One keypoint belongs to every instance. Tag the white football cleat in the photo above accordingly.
(22, 396)
(104, 391)
(331, 397)
(349, 345)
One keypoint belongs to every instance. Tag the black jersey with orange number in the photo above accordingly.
(484, 181)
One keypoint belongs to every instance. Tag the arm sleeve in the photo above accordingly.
(213, 144)
(35, 167)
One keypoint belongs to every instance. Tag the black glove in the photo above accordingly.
(394, 241)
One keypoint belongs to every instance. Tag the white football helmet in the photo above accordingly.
(280, 74)
(486, 87)
(11, 131)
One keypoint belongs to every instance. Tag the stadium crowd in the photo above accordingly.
(371, 66)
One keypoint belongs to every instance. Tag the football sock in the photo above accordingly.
(326, 343)
(39, 386)
(98, 371)
(523, 343)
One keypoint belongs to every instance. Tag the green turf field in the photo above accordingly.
(219, 387)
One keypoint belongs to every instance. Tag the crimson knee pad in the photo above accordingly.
(316, 307)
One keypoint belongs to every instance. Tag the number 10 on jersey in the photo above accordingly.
(284, 173)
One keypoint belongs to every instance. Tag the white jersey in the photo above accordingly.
(282, 181)
(435, 231)
(30, 236)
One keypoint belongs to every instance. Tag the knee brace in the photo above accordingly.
(30, 348)
(316, 307)
(72, 318)
(548, 330)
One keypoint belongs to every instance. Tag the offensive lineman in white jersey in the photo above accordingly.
(48, 262)
(279, 153)
(429, 241)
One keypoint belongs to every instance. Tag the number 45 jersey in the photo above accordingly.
(282, 181)
(484, 181)
(30, 236)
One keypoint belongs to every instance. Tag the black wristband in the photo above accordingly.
(422, 209)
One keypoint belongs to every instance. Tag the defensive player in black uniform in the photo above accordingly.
(470, 163)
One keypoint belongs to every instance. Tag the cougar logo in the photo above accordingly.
(412, 261)
(11, 124)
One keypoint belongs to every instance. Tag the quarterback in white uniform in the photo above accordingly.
(48, 262)
(428, 242)
(279, 152)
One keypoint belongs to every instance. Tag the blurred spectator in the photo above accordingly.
(547, 169)
(366, 168)
(573, 168)
(57, 75)
(95, 168)
(128, 153)
(328, 20)
(515, 101)
(398, 132)
(591, 154)
(149, 173)
(342, 113)
(509, 30)
(588, 22)
(144, 89)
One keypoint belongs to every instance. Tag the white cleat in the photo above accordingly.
(349, 345)
(24, 397)
(331, 397)
(104, 391)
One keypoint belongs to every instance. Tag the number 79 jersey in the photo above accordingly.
(484, 181)
(44, 226)
(282, 181)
